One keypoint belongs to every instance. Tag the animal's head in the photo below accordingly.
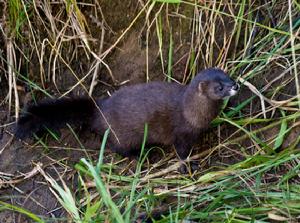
(215, 84)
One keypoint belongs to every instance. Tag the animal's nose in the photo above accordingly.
(235, 87)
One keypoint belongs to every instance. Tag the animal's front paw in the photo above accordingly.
(188, 167)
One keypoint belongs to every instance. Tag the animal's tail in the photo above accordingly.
(54, 114)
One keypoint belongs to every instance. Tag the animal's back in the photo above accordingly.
(131, 107)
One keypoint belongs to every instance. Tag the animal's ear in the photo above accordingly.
(201, 87)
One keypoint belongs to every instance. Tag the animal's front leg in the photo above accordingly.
(124, 150)
(183, 148)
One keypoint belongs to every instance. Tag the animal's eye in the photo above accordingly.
(220, 88)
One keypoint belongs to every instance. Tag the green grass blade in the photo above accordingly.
(21, 210)
(100, 160)
(115, 212)
(136, 176)
(170, 57)
(282, 132)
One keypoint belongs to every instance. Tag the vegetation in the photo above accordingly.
(250, 163)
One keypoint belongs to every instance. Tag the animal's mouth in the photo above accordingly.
(234, 89)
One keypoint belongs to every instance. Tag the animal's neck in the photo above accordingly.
(199, 110)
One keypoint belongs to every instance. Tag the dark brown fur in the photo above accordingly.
(175, 114)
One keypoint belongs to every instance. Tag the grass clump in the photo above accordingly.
(17, 17)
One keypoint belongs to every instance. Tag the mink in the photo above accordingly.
(175, 114)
